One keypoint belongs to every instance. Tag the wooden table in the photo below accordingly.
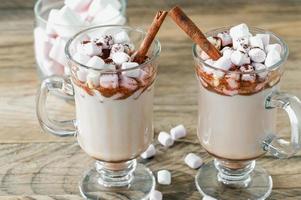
(34, 165)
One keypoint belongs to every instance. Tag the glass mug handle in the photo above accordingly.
(276, 146)
(58, 128)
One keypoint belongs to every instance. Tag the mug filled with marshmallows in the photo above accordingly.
(56, 21)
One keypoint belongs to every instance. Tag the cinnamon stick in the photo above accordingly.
(187, 25)
(150, 36)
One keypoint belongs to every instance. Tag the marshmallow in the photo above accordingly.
(256, 41)
(120, 57)
(93, 79)
(82, 75)
(276, 47)
(272, 58)
(109, 67)
(241, 44)
(227, 52)
(209, 198)
(178, 132)
(115, 3)
(50, 67)
(81, 58)
(239, 31)
(223, 63)
(216, 41)
(225, 38)
(150, 152)
(193, 161)
(51, 21)
(239, 58)
(90, 49)
(257, 55)
(260, 66)
(249, 76)
(134, 73)
(108, 13)
(128, 83)
(106, 41)
(128, 48)
(78, 5)
(165, 139)
(121, 37)
(265, 38)
(99, 5)
(96, 63)
(109, 80)
(164, 177)
(233, 84)
(156, 195)
(117, 48)
(57, 51)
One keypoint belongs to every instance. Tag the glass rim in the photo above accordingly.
(277, 65)
(152, 58)
(38, 15)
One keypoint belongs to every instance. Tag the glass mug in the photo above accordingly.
(238, 126)
(112, 126)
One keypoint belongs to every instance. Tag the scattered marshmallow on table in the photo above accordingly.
(193, 161)
(165, 139)
(150, 152)
(272, 58)
(257, 55)
(178, 132)
(156, 195)
(164, 177)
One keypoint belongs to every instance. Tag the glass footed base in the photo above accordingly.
(207, 183)
(141, 185)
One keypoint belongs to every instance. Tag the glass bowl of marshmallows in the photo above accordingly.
(56, 21)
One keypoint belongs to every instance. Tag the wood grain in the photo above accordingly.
(36, 166)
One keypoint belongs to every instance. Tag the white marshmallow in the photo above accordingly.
(121, 37)
(120, 57)
(225, 38)
(209, 198)
(57, 51)
(90, 49)
(81, 58)
(109, 80)
(178, 132)
(227, 52)
(93, 78)
(156, 195)
(106, 14)
(82, 75)
(241, 44)
(249, 76)
(51, 21)
(193, 161)
(239, 31)
(272, 58)
(99, 5)
(223, 63)
(260, 66)
(150, 152)
(217, 42)
(206, 69)
(239, 58)
(165, 139)
(164, 177)
(117, 48)
(256, 41)
(68, 17)
(78, 5)
(129, 83)
(106, 41)
(115, 3)
(96, 63)
(51, 67)
(257, 55)
(265, 38)
(109, 67)
(276, 47)
(134, 73)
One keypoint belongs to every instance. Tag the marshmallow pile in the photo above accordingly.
(108, 53)
(242, 55)
(63, 23)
